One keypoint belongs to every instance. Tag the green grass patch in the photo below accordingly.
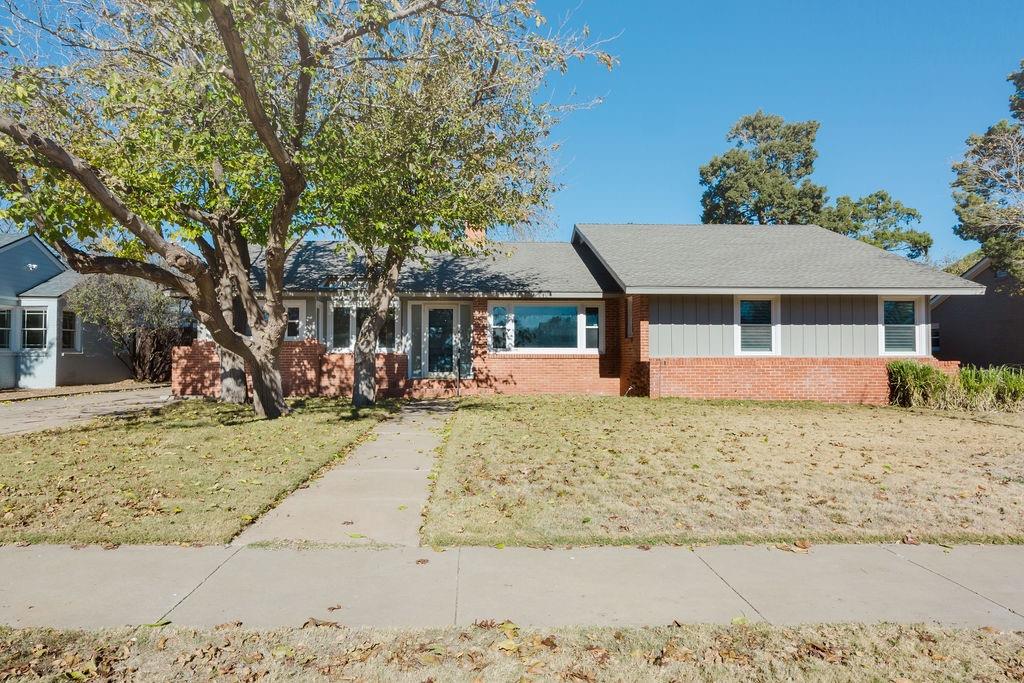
(541, 470)
(193, 472)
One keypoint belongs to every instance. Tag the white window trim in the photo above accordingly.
(922, 332)
(46, 328)
(581, 326)
(776, 300)
(12, 341)
(352, 306)
(77, 348)
(301, 305)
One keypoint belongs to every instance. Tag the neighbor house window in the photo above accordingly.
(294, 321)
(342, 335)
(5, 328)
(68, 331)
(936, 339)
(557, 327)
(33, 329)
(386, 336)
(757, 325)
(499, 328)
(900, 326)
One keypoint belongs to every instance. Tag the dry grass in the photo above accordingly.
(538, 471)
(501, 652)
(192, 472)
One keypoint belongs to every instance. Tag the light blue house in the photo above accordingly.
(43, 345)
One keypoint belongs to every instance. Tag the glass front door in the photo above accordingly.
(440, 341)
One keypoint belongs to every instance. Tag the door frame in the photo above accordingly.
(425, 337)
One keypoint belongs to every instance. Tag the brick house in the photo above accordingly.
(758, 312)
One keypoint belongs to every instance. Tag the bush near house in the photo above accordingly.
(914, 384)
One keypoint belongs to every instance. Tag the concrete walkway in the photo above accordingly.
(48, 413)
(374, 497)
(58, 586)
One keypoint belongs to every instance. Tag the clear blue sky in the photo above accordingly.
(897, 86)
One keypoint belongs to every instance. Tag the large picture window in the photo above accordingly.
(68, 331)
(538, 327)
(346, 322)
(33, 329)
(900, 326)
(757, 325)
(5, 328)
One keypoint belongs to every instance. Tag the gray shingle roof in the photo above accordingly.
(529, 268)
(9, 237)
(57, 285)
(653, 258)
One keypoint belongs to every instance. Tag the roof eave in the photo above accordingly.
(884, 291)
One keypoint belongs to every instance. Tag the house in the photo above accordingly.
(42, 344)
(985, 330)
(703, 311)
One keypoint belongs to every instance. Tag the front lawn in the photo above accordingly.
(191, 472)
(502, 652)
(583, 470)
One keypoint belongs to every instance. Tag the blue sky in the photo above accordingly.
(896, 85)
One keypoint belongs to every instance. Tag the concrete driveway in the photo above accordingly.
(47, 413)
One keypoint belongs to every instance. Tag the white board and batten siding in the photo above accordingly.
(811, 326)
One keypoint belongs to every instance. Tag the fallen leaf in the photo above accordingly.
(334, 608)
(803, 543)
(909, 539)
(422, 560)
(313, 622)
(507, 645)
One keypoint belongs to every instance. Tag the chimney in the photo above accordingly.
(476, 235)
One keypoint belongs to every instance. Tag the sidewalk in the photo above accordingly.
(58, 586)
(373, 497)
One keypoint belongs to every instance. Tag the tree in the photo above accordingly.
(766, 179)
(139, 318)
(989, 188)
(190, 132)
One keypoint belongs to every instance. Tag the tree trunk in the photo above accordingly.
(268, 392)
(382, 290)
(232, 378)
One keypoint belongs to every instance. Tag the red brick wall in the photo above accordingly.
(832, 380)
(337, 374)
(635, 368)
(195, 370)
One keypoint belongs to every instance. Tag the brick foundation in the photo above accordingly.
(195, 370)
(832, 380)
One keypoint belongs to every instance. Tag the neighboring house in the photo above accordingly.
(763, 312)
(985, 330)
(43, 345)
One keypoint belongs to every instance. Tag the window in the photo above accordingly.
(546, 327)
(294, 322)
(346, 322)
(592, 329)
(536, 327)
(499, 328)
(33, 329)
(936, 339)
(5, 328)
(386, 336)
(342, 336)
(1000, 274)
(758, 329)
(68, 331)
(629, 317)
(900, 326)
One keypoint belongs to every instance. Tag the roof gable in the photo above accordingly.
(736, 258)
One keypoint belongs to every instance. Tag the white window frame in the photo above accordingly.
(776, 324)
(510, 306)
(77, 347)
(922, 333)
(353, 306)
(11, 329)
(46, 327)
(301, 305)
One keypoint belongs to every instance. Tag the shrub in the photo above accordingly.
(916, 384)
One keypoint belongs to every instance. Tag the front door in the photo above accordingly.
(440, 341)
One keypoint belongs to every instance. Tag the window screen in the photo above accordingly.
(756, 325)
(900, 329)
